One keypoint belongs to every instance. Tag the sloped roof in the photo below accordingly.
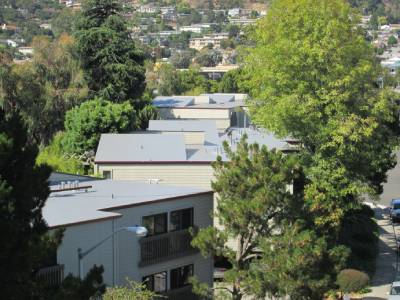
(209, 127)
(98, 202)
(140, 147)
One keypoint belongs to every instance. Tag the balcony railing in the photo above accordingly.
(159, 248)
(51, 276)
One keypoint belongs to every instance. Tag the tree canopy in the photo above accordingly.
(112, 62)
(318, 84)
(84, 124)
(23, 192)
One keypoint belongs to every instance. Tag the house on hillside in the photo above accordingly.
(227, 110)
(174, 152)
(92, 211)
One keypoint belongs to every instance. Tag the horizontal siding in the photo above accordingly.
(183, 175)
(193, 113)
(191, 138)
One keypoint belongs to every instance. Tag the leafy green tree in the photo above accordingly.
(23, 193)
(44, 89)
(392, 40)
(297, 263)
(182, 59)
(208, 57)
(230, 82)
(113, 64)
(253, 198)
(54, 156)
(64, 22)
(318, 84)
(359, 232)
(84, 124)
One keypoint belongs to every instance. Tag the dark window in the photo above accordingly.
(181, 219)
(180, 276)
(156, 282)
(107, 174)
(155, 224)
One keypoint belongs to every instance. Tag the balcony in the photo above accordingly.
(163, 247)
(51, 276)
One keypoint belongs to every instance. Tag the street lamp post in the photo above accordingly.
(137, 230)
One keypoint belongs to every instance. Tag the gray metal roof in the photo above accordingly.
(209, 127)
(140, 147)
(58, 177)
(216, 101)
(173, 101)
(220, 98)
(97, 203)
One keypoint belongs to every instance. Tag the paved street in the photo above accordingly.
(386, 263)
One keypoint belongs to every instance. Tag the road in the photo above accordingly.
(386, 261)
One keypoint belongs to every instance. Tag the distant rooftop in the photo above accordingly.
(213, 101)
(140, 148)
(171, 148)
(209, 127)
(98, 202)
(58, 177)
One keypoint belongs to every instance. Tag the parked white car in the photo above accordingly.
(394, 293)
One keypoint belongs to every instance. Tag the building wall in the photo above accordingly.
(222, 117)
(124, 249)
(173, 174)
(128, 267)
(191, 137)
(85, 236)
(193, 113)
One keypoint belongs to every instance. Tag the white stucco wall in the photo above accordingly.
(126, 252)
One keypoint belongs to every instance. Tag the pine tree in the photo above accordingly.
(23, 192)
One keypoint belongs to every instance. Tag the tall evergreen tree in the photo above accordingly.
(23, 192)
(112, 62)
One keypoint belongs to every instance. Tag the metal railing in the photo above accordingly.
(51, 276)
(158, 248)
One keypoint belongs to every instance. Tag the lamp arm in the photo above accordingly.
(83, 254)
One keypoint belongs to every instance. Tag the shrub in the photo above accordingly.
(134, 291)
(84, 124)
(350, 280)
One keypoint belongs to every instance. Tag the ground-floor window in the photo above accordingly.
(180, 276)
(156, 282)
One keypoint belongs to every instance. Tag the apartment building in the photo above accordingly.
(227, 110)
(91, 211)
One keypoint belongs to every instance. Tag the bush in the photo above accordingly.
(350, 280)
(54, 156)
(134, 291)
(84, 124)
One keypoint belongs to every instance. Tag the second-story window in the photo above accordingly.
(181, 219)
(155, 224)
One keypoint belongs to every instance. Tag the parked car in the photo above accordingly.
(394, 293)
(395, 210)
